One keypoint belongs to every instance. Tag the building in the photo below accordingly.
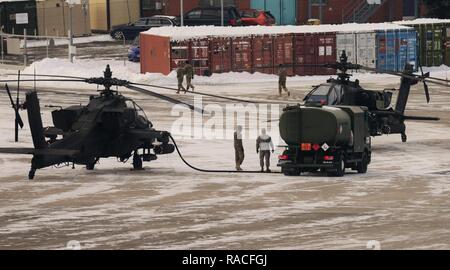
(291, 12)
(172, 7)
(44, 17)
(104, 14)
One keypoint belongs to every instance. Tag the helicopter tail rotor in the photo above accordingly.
(15, 106)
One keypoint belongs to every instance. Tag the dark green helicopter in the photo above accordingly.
(383, 118)
(111, 125)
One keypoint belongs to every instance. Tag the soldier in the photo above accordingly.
(238, 148)
(180, 78)
(282, 74)
(264, 145)
(189, 71)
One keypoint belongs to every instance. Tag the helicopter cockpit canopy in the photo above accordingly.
(140, 116)
(326, 94)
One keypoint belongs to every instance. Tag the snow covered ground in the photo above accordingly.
(403, 201)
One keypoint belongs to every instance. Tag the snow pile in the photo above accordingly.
(87, 68)
(423, 21)
(193, 32)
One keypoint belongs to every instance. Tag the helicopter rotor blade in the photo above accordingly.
(15, 107)
(163, 97)
(199, 93)
(49, 76)
(43, 80)
(425, 86)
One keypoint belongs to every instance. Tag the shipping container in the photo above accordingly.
(447, 45)
(305, 54)
(262, 53)
(433, 37)
(395, 49)
(241, 57)
(220, 58)
(326, 47)
(283, 53)
(156, 54)
(313, 50)
(199, 56)
(347, 42)
(179, 54)
(366, 53)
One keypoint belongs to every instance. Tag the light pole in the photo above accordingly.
(181, 13)
(221, 13)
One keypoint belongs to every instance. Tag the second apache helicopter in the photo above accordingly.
(383, 118)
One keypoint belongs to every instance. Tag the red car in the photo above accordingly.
(257, 17)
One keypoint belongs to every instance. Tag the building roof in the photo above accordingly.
(195, 32)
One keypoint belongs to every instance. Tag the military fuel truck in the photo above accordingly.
(328, 138)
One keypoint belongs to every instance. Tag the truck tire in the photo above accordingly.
(290, 171)
(340, 168)
(362, 166)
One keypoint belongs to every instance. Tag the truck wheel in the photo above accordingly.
(291, 171)
(362, 166)
(340, 168)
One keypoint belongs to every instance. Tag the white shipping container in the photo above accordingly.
(366, 49)
(360, 48)
(346, 42)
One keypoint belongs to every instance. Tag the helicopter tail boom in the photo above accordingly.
(35, 120)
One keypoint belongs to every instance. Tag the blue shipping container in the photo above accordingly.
(407, 40)
(395, 48)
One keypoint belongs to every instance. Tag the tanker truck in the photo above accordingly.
(326, 138)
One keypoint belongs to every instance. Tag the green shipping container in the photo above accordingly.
(447, 45)
(434, 40)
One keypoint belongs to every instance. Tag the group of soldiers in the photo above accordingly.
(186, 70)
(264, 146)
(182, 71)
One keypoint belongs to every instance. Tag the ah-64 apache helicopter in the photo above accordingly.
(383, 119)
(111, 125)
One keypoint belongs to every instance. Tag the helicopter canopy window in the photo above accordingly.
(336, 95)
(319, 94)
(327, 94)
(139, 111)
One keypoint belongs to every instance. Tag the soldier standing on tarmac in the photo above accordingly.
(282, 74)
(264, 145)
(180, 78)
(189, 71)
(238, 148)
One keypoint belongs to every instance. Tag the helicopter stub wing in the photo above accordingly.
(43, 152)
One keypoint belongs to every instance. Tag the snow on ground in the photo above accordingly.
(402, 202)
(131, 71)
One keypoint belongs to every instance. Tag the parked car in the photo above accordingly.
(212, 16)
(131, 31)
(134, 51)
(257, 17)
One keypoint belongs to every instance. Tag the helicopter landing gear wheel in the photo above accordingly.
(137, 161)
(31, 174)
(404, 137)
(91, 165)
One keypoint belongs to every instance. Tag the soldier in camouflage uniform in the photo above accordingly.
(282, 74)
(238, 148)
(180, 78)
(189, 72)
